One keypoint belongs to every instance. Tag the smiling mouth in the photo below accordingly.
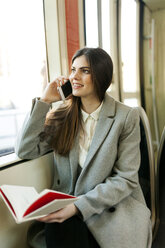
(77, 86)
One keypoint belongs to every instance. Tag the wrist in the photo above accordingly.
(45, 100)
(78, 213)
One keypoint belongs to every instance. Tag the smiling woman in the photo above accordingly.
(89, 87)
(88, 144)
(96, 157)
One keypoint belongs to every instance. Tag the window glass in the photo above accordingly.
(132, 102)
(129, 49)
(105, 14)
(98, 27)
(128, 45)
(91, 23)
(23, 72)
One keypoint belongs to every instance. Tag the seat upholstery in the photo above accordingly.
(147, 166)
(160, 191)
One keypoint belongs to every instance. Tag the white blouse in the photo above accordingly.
(87, 133)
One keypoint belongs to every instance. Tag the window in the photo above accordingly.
(91, 23)
(129, 51)
(97, 24)
(23, 71)
(100, 30)
(105, 23)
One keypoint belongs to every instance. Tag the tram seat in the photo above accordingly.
(160, 193)
(147, 171)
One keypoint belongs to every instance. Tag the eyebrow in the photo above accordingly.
(83, 67)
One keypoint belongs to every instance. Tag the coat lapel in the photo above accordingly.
(102, 128)
(100, 134)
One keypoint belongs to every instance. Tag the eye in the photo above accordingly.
(86, 71)
(73, 69)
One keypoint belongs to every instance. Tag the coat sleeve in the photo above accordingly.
(28, 145)
(124, 177)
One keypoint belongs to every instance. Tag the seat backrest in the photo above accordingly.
(147, 166)
(160, 185)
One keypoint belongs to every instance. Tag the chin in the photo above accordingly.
(76, 94)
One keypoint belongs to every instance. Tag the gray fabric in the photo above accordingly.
(109, 178)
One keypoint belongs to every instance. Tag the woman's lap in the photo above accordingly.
(71, 233)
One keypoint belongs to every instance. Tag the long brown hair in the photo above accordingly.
(62, 125)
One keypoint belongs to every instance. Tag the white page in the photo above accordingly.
(20, 197)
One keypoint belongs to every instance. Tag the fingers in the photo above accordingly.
(60, 215)
(60, 80)
(53, 217)
(51, 220)
(51, 93)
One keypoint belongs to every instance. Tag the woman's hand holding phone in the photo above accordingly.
(65, 90)
(51, 92)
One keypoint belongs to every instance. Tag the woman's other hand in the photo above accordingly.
(51, 93)
(61, 215)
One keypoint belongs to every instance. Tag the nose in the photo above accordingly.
(75, 75)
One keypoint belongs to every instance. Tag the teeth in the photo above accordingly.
(76, 85)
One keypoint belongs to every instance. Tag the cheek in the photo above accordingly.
(71, 77)
(90, 85)
(88, 80)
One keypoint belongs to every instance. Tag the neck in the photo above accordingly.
(90, 105)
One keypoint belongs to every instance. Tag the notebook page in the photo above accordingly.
(20, 197)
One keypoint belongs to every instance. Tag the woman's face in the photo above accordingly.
(81, 80)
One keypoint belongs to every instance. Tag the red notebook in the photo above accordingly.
(25, 203)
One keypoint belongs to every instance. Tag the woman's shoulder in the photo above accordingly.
(121, 109)
(57, 106)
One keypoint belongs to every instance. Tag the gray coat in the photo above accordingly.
(111, 200)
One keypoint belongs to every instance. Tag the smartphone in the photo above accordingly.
(65, 90)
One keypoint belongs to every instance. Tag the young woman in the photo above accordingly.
(96, 152)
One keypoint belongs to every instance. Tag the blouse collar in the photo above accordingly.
(94, 114)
